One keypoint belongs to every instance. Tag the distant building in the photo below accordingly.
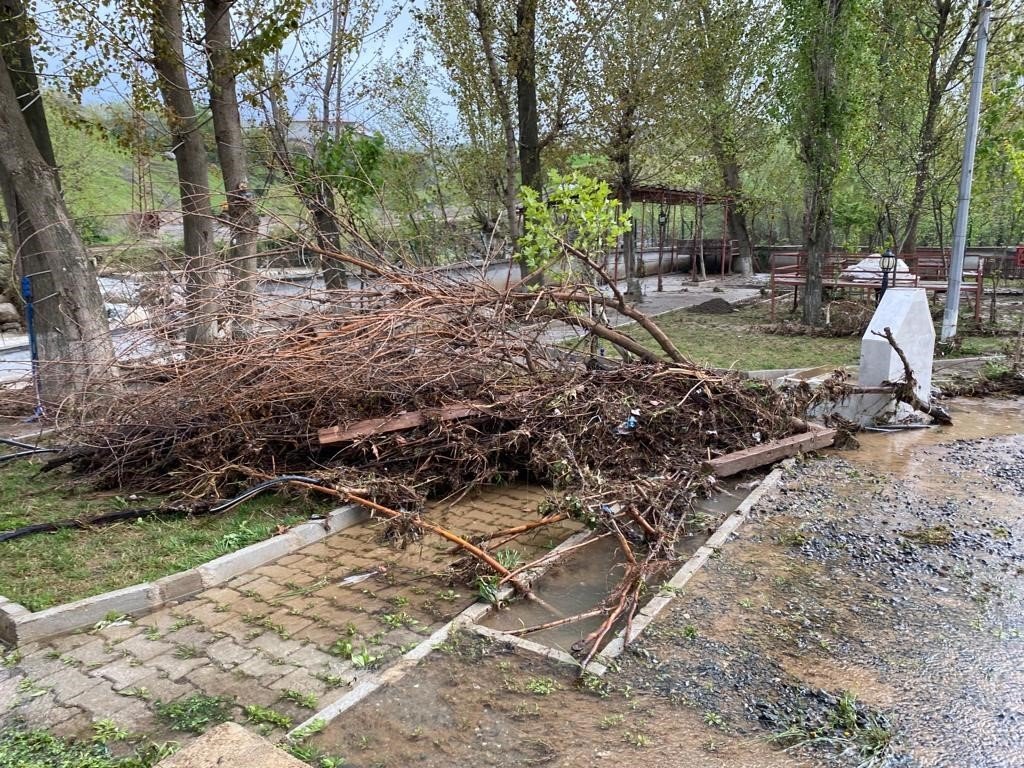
(305, 132)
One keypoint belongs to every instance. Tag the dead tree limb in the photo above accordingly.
(424, 525)
(904, 390)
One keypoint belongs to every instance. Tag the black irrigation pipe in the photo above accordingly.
(161, 512)
(18, 443)
(29, 452)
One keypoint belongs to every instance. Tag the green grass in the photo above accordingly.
(733, 341)
(46, 569)
(21, 748)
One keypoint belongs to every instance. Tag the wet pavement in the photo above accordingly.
(869, 613)
(315, 622)
(891, 574)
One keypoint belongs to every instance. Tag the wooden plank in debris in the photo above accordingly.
(773, 450)
(370, 427)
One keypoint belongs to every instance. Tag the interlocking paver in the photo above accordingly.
(123, 673)
(270, 629)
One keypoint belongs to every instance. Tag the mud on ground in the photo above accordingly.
(869, 613)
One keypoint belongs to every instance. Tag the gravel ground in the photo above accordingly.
(864, 618)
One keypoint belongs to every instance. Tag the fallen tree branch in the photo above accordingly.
(422, 524)
(904, 390)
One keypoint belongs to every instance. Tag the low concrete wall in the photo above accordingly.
(18, 625)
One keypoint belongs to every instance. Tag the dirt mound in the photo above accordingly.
(714, 306)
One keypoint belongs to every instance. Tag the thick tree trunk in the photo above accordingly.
(202, 295)
(75, 350)
(817, 242)
(485, 30)
(820, 145)
(227, 126)
(621, 153)
(737, 216)
(526, 99)
(526, 94)
(328, 233)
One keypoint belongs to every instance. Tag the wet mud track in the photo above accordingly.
(869, 613)
(865, 616)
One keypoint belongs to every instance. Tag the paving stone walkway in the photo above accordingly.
(293, 635)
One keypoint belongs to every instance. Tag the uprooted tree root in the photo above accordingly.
(435, 387)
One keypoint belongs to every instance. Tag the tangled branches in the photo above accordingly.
(434, 386)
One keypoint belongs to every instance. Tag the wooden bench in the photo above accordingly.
(931, 265)
(929, 269)
(794, 275)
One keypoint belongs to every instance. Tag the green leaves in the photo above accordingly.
(577, 210)
(351, 164)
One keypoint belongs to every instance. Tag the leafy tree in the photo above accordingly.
(729, 97)
(577, 211)
(826, 39)
(512, 73)
(75, 348)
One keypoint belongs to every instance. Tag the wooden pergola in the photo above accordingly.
(662, 224)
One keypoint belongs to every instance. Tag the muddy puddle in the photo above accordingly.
(881, 589)
(972, 419)
(583, 579)
(479, 703)
(869, 613)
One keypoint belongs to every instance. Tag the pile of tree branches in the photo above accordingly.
(435, 386)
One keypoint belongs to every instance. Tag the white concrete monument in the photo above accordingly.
(905, 312)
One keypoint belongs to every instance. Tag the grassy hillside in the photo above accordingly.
(96, 174)
(97, 177)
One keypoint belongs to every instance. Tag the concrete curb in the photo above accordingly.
(18, 625)
(722, 534)
(467, 619)
(604, 660)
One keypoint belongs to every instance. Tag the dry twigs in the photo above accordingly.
(433, 385)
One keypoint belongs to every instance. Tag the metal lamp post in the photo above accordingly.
(888, 263)
(662, 222)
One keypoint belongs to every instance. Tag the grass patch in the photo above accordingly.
(195, 714)
(846, 726)
(934, 536)
(734, 341)
(46, 569)
(21, 748)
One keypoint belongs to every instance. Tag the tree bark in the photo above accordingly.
(621, 153)
(75, 349)
(503, 102)
(942, 69)
(202, 295)
(227, 126)
(820, 146)
(730, 170)
(526, 94)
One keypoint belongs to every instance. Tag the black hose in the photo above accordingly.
(16, 443)
(162, 512)
(24, 454)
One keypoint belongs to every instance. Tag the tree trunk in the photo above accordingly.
(227, 126)
(328, 234)
(485, 30)
(816, 241)
(202, 300)
(729, 167)
(75, 350)
(319, 202)
(526, 94)
(943, 65)
(820, 145)
(738, 218)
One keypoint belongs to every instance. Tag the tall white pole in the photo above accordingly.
(963, 203)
